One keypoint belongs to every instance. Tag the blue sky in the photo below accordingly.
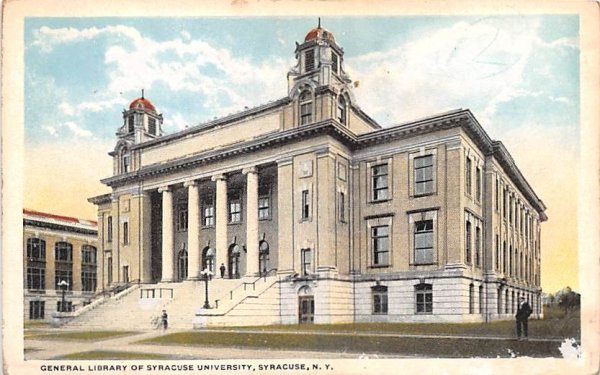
(519, 75)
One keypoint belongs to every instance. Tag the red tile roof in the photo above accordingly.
(59, 217)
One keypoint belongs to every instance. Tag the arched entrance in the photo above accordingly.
(263, 257)
(234, 261)
(182, 264)
(306, 305)
(208, 259)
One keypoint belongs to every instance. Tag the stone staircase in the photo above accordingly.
(245, 301)
(254, 302)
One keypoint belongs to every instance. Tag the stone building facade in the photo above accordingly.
(56, 249)
(429, 220)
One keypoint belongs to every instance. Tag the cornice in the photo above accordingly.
(58, 227)
(100, 199)
(214, 123)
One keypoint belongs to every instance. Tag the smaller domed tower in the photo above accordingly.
(141, 122)
(319, 59)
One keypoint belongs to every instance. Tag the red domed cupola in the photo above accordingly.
(142, 103)
(319, 33)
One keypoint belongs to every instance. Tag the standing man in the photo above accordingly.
(222, 269)
(522, 315)
(165, 319)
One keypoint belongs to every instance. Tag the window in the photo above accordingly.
(109, 270)
(309, 60)
(497, 195)
(36, 249)
(478, 184)
(481, 299)
(305, 107)
(468, 176)
(182, 215)
(305, 205)
(125, 233)
(152, 126)
(505, 203)
(208, 211)
(511, 209)
(477, 245)
(380, 299)
(208, 259)
(510, 261)
(379, 178)
(306, 259)
(130, 124)
(499, 301)
(468, 242)
(341, 110)
(471, 299)
(380, 245)
(342, 206)
(497, 253)
(264, 203)
(125, 163)
(235, 208)
(334, 62)
(88, 255)
(63, 252)
(88, 281)
(36, 309)
(423, 171)
(36, 278)
(506, 304)
(424, 242)
(109, 230)
(504, 257)
(424, 298)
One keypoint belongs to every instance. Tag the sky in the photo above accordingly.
(519, 75)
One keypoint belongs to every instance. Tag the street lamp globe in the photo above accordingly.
(206, 275)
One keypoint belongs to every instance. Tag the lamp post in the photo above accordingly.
(63, 285)
(206, 275)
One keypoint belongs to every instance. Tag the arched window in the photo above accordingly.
(263, 257)
(63, 258)
(341, 110)
(471, 299)
(208, 259)
(305, 104)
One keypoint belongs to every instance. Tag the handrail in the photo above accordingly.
(234, 305)
(253, 283)
(153, 290)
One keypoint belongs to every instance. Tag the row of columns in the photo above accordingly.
(221, 220)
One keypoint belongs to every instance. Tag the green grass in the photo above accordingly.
(556, 325)
(403, 346)
(80, 335)
(100, 354)
(34, 324)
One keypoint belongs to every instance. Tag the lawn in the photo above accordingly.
(79, 335)
(556, 325)
(100, 354)
(354, 338)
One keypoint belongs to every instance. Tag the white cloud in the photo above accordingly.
(51, 130)
(66, 108)
(45, 38)
(77, 130)
(464, 65)
(175, 122)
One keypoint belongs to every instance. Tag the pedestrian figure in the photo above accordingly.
(165, 319)
(523, 312)
(222, 269)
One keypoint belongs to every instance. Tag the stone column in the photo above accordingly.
(194, 266)
(167, 234)
(251, 221)
(221, 220)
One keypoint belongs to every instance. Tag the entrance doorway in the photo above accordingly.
(306, 306)
(234, 261)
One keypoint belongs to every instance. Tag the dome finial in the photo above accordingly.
(142, 93)
(319, 25)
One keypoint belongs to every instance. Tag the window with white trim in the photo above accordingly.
(424, 298)
(379, 296)
(305, 104)
(379, 182)
(380, 245)
(424, 242)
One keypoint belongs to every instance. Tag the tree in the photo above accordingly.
(569, 299)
